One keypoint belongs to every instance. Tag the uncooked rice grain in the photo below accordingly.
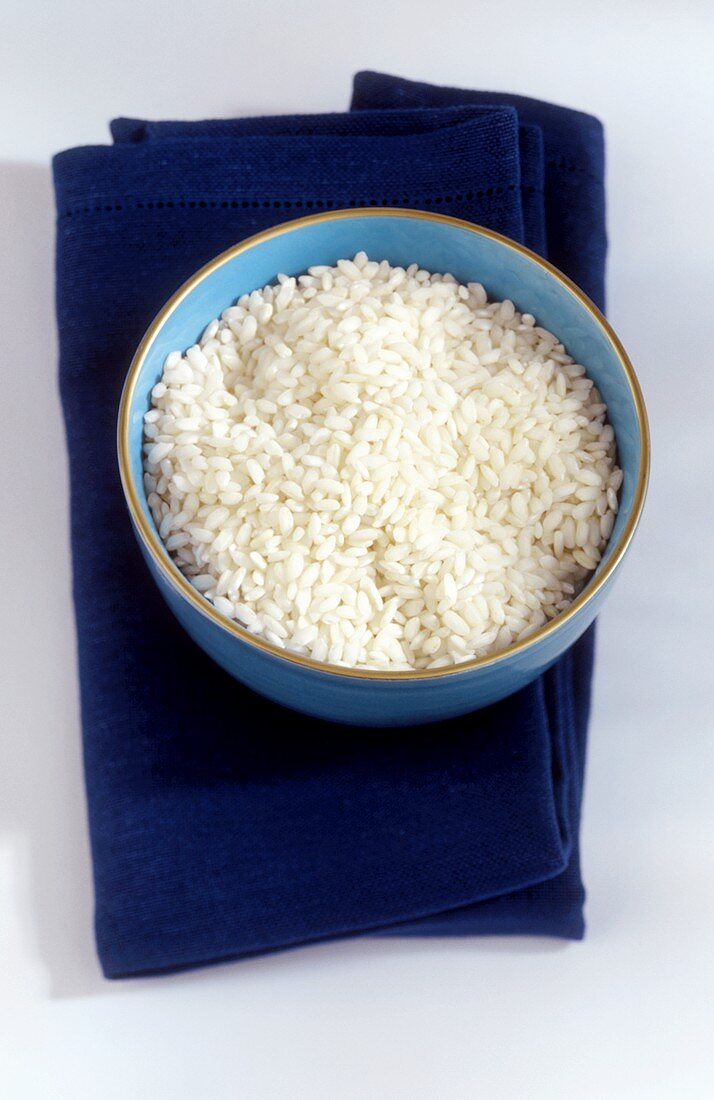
(377, 467)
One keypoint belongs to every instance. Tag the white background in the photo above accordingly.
(628, 1013)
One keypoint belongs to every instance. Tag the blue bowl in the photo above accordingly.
(440, 244)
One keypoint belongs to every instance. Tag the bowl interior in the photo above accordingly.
(438, 246)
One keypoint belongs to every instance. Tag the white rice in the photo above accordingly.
(377, 467)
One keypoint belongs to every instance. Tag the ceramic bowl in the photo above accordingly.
(437, 243)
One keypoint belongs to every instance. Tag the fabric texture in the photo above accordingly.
(573, 167)
(223, 825)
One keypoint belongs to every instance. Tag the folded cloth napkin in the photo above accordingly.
(221, 824)
(572, 184)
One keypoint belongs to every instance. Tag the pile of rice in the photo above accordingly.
(378, 467)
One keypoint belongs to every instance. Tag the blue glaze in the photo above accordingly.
(470, 257)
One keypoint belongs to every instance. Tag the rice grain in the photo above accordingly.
(378, 467)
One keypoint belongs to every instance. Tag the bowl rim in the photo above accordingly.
(176, 579)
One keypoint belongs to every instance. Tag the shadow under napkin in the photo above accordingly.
(221, 824)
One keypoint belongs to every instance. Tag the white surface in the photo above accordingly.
(628, 1013)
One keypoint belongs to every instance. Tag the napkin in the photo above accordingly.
(223, 825)
(572, 184)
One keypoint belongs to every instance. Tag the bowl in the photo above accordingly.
(438, 243)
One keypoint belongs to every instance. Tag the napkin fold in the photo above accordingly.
(221, 824)
(573, 166)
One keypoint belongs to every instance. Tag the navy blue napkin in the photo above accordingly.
(573, 180)
(223, 825)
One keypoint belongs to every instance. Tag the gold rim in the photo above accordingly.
(179, 582)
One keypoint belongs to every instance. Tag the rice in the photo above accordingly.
(377, 467)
